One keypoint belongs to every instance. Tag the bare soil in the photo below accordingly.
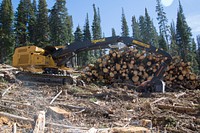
(99, 107)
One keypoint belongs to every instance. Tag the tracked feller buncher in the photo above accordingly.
(48, 65)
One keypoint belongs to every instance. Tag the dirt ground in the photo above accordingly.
(94, 109)
(98, 107)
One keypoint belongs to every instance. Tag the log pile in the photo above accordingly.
(132, 65)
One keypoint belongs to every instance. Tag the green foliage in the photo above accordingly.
(113, 32)
(162, 43)
(162, 21)
(96, 25)
(135, 29)
(86, 30)
(78, 35)
(88, 56)
(173, 46)
(198, 52)
(96, 30)
(6, 31)
(42, 33)
(60, 24)
(183, 34)
(22, 18)
(32, 24)
(150, 34)
(147, 30)
(125, 30)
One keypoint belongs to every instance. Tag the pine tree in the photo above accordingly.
(96, 30)
(32, 26)
(86, 30)
(193, 56)
(162, 21)
(198, 51)
(99, 23)
(78, 37)
(125, 30)
(113, 32)
(42, 37)
(70, 37)
(88, 57)
(173, 47)
(162, 42)
(22, 21)
(59, 22)
(183, 34)
(6, 31)
(150, 32)
(135, 29)
(142, 28)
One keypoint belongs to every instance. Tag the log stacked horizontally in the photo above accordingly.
(133, 65)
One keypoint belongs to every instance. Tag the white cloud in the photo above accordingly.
(194, 23)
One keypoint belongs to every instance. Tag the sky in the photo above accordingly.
(111, 10)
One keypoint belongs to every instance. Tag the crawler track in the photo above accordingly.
(45, 78)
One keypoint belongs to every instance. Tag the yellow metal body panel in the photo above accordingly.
(29, 57)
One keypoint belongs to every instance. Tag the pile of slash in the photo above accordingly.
(33, 107)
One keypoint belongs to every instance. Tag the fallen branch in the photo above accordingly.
(7, 90)
(72, 106)
(55, 97)
(179, 95)
(16, 103)
(158, 100)
(181, 109)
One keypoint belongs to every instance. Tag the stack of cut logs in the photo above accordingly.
(132, 65)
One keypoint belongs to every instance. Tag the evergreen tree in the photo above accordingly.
(88, 57)
(198, 51)
(155, 36)
(86, 30)
(173, 47)
(6, 31)
(125, 30)
(183, 34)
(42, 37)
(193, 56)
(162, 21)
(59, 22)
(162, 43)
(70, 37)
(78, 35)
(99, 23)
(32, 26)
(142, 28)
(135, 29)
(113, 32)
(22, 21)
(96, 29)
(150, 32)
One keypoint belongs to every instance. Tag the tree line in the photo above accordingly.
(35, 24)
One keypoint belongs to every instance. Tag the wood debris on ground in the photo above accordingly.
(94, 109)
